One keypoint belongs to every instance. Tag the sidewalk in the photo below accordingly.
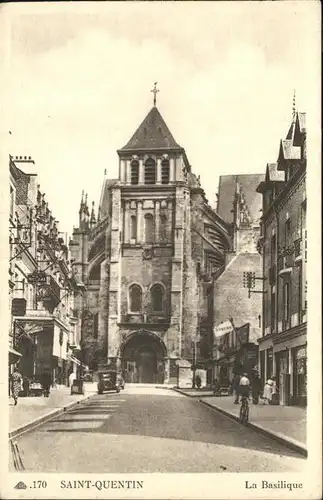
(284, 423)
(31, 411)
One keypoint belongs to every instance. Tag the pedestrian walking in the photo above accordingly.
(71, 378)
(16, 381)
(268, 391)
(235, 387)
(216, 386)
(255, 387)
(46, 383)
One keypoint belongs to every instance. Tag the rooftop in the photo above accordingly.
(152, 133)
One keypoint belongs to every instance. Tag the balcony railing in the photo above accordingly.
(145, 318)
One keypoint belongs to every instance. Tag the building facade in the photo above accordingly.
(283, 345)
(147, 261)
(44, 332)
(238, 313)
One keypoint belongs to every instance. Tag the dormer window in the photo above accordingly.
(134, 174)
(150, 171)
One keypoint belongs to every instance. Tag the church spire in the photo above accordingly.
(86, 208)
(92, 218)
(82, 202)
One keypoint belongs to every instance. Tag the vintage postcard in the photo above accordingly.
(160, 252)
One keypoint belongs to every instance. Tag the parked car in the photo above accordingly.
(108, 381)
(35, 388)
(88, 377)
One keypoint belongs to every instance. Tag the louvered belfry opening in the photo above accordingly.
(165, 171)
(134, 172)
(150, 171)
(133, 227)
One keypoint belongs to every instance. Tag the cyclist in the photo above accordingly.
(244, 386)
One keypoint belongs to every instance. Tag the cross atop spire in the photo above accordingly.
(155, 91)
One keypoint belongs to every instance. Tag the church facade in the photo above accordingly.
(147, 259)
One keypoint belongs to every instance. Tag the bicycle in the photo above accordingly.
(244, 410)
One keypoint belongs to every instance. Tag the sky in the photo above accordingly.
(80, 75)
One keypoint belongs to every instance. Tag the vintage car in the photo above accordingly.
(35, 388)
(108, 381)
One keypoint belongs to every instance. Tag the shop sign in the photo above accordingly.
(18, 307)
(252, 354)
(223, 329)
(39, 278)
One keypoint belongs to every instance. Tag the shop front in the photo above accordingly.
(265, 358)
(269, 363)
(42, 343)
(300, 375)
(283, 376)
(290, 351)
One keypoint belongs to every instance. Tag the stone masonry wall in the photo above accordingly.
(231, 298)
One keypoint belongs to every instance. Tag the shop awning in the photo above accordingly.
(13, 354)
(74, 360)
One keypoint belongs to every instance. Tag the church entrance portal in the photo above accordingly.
(143, 359)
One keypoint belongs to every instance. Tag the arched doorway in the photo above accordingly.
(143, 358)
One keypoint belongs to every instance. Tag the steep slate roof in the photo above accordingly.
(153, 133)
(274, 174)
(288, 151)
(227, 186)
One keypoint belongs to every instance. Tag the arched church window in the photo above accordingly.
(150, 171)
(157, 297)
(135, 298)
(165, 171)
(134, 172)
(149, 228)
(133, 227)
(95, 273)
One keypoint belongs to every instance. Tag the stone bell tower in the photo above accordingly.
(150, 256)
(146, 245)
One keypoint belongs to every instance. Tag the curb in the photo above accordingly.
(44, 418)
(198, 395)
(288, 442)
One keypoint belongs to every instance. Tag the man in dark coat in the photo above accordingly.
(46, 383)
(255, 387)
